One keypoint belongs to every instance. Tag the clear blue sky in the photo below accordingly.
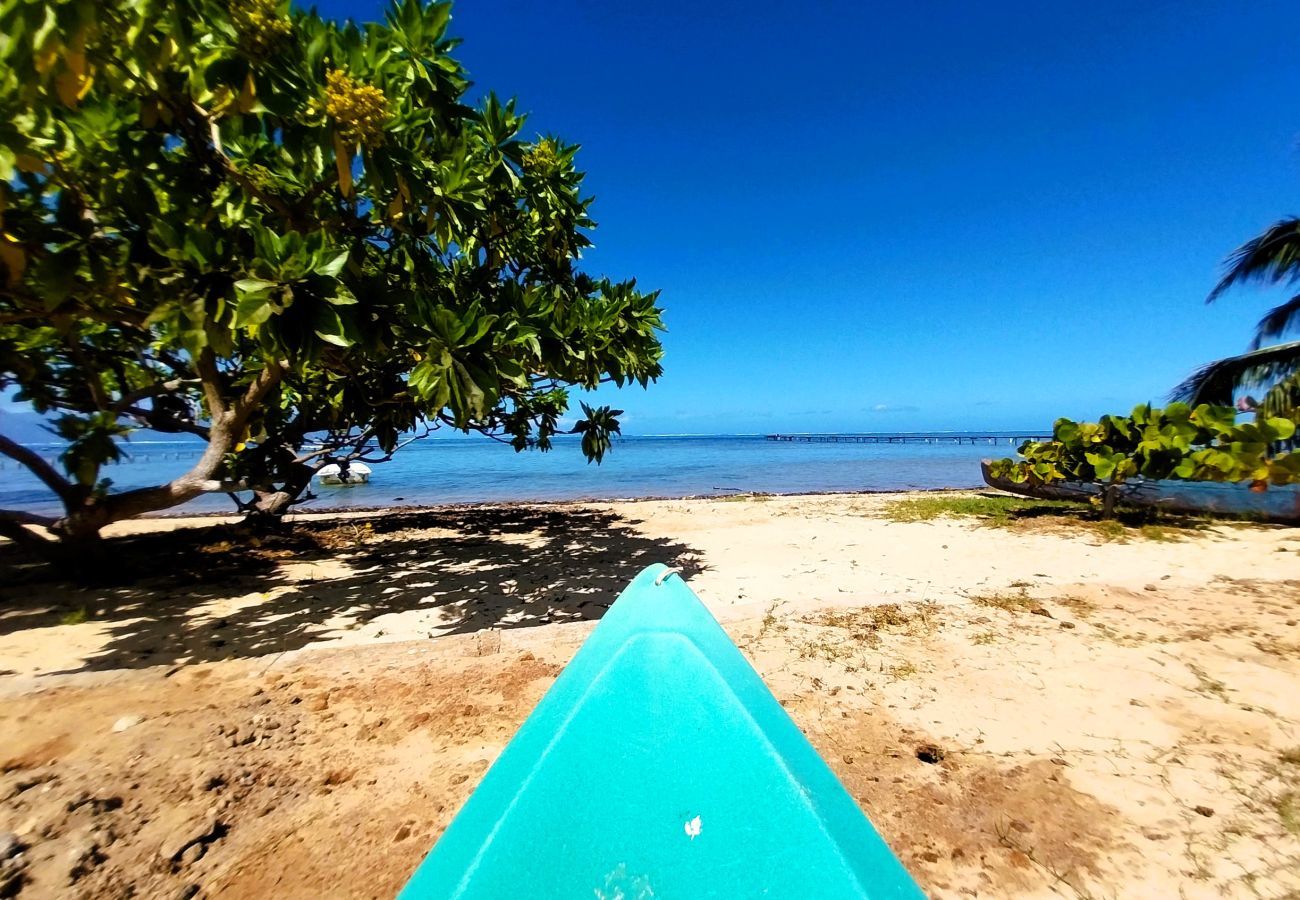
(913, 216)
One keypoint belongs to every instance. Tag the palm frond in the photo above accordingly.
(1282, 398)
(1218, 381)
(1277, 322)
(1273, 258)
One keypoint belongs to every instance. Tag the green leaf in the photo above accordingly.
(1215, 418)
(253, 309)
(332, 268)
(1119, 425)
(1178, 413)
(342, 296)
(1279, 429)
(329, 326)
(254, 285)
(1065, 431)
(1103, 464)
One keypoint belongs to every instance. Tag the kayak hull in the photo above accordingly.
(659, 765)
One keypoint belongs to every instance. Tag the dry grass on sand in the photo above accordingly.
(1022, 711)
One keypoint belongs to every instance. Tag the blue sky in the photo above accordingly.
(933, 215)
(912, 216)
(916, 215)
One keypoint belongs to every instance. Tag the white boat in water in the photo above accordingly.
(356, 473)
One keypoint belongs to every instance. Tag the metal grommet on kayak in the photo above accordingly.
(667, 573)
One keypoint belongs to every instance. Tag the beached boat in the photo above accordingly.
(1280, 503)
(659, 765)
(357, 473)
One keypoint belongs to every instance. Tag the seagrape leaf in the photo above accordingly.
(1215, 418)
(1278, 429)
(1178, 413)
(1103, 464)
(1066, 431)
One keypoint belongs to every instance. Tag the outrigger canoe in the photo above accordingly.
(660, 766)
(1279, 503)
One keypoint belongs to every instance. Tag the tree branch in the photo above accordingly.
(39, 315)
(166, 424)
(17, 531)
(221, 164)
(93, 384)
(227, 426)
(26, 518)
(335, 445)
(153, 390)
(211, 379)
(359, 454)
(33, 461)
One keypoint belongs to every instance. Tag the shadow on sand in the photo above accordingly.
(471, 568)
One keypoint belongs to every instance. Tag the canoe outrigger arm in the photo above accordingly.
(660, 766)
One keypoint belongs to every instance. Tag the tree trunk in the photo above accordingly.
(1108, 496)
(84, 556)
(269, 507)
(82, 523)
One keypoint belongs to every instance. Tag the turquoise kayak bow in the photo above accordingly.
(659, 766)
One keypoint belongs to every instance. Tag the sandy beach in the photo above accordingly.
(1032, 708)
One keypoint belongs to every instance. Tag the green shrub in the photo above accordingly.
(1178, 442)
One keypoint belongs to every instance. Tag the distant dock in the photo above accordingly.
(908, 437)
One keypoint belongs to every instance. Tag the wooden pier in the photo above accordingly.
(904, 437)
(126, 459)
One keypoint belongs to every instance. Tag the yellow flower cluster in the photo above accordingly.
(261, 24)
(358, 110)
(542, 158)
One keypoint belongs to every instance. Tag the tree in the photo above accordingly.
(287, 236)
(1273, 258)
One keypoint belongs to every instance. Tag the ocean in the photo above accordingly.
(437, 471)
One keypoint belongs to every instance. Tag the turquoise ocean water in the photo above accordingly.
(439, 471)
